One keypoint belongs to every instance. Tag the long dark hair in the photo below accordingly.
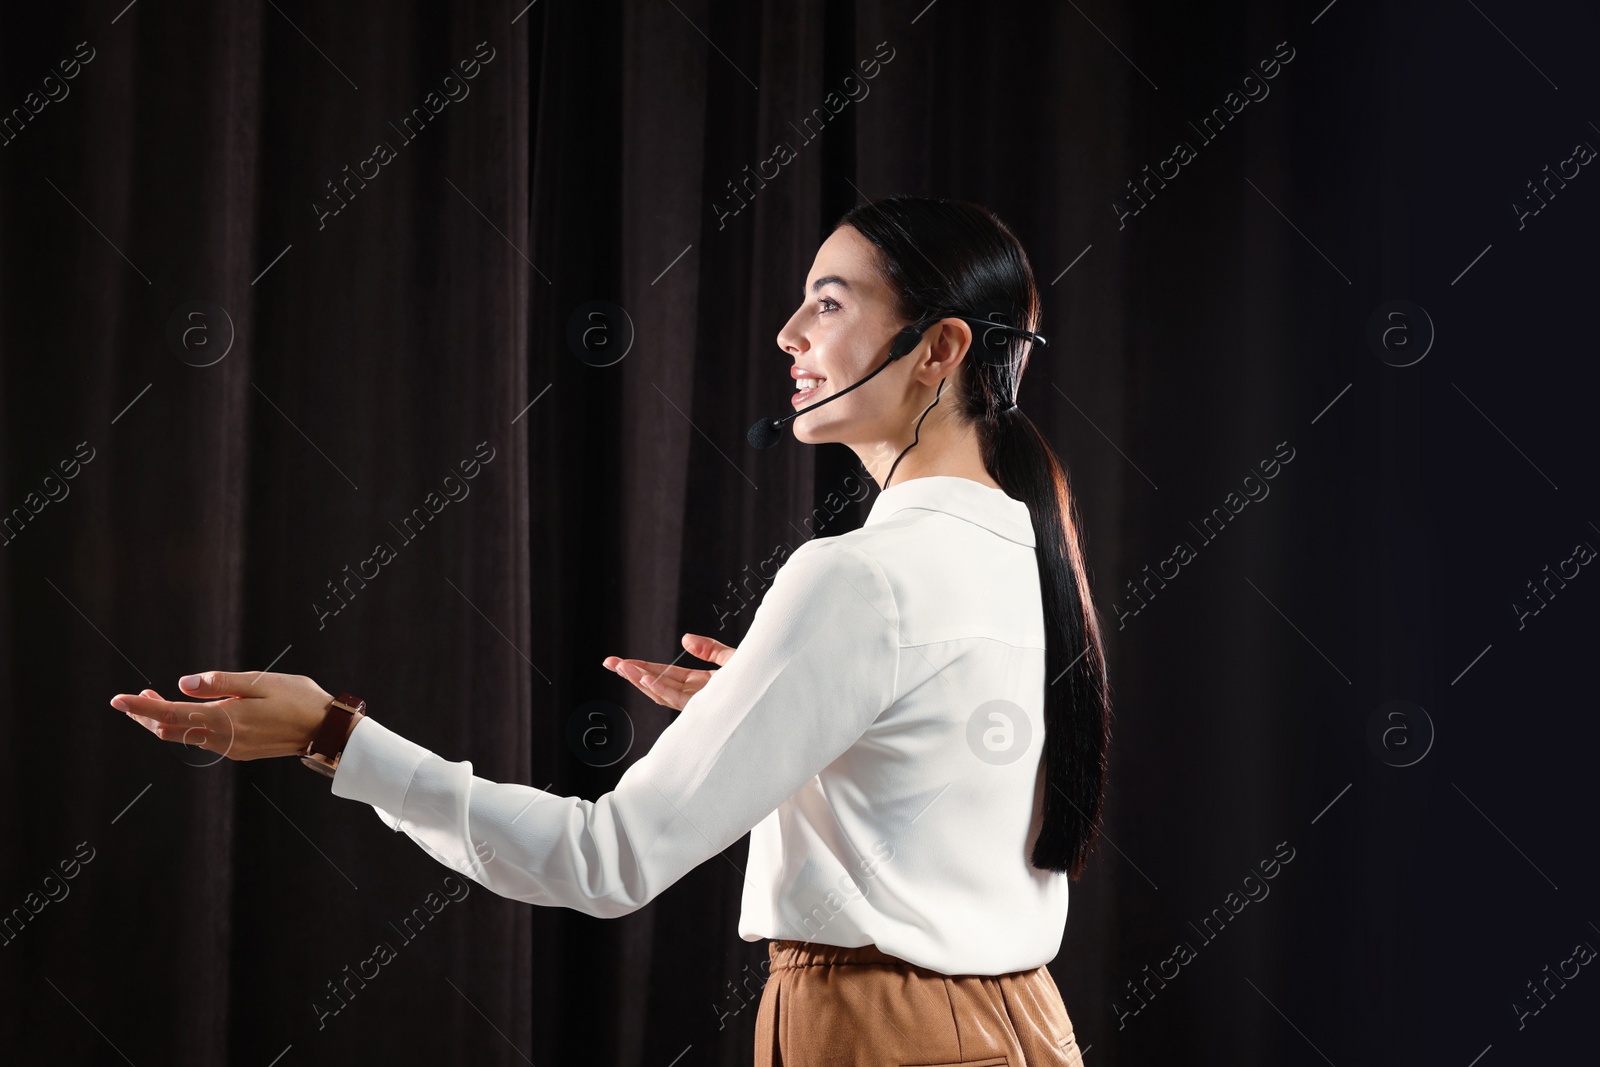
(946, 257)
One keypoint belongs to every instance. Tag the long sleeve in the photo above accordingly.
(818, 665)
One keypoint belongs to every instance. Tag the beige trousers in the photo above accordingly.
(826, 1006)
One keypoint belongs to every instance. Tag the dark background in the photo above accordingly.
(370, 356)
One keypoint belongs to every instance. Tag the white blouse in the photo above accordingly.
(877, 733)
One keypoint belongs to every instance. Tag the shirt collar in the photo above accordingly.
(964, 498)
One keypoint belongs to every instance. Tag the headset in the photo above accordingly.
(765, 432)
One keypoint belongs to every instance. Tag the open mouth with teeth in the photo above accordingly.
(806, 386)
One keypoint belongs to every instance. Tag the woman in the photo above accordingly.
(913, 730)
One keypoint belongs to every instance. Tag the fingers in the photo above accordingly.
(708, 648)
(150, 706)
(188, 733)
(664, 688)
(671, 686)
(155, 726)
(222, 684)
(662, 670)
(617, 663)
(661, 673)
(664, 691)
(638, 671)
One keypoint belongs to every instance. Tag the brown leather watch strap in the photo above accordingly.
(343, 712)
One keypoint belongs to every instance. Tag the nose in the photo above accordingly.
(790, 339)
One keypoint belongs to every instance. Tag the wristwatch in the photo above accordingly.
(323, 752)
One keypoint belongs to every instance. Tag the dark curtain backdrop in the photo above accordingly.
(160, 208)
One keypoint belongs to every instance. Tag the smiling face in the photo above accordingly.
(841, 333)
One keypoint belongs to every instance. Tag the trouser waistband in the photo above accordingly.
(785, 954)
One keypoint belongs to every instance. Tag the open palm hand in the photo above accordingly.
(669, 685)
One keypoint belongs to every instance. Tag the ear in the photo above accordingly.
(949, 342)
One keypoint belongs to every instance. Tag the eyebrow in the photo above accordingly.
(816, 286)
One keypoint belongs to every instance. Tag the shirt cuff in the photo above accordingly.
(376, 768)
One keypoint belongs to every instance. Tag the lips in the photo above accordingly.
(806, 382)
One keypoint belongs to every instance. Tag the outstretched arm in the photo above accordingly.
(820, 662)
